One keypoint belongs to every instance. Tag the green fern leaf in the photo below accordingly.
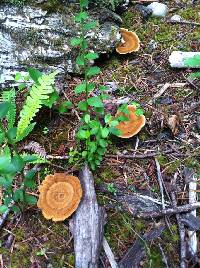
(9, 96)
(33, 103)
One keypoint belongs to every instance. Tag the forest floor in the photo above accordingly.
(31, 241)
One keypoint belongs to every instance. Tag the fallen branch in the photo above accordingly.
(160, 181)
(181, 229)
(87, 224)
(192, 198)
(170, 211)
(137, 252)
(109, 254)
(192, 23)
(147, 155)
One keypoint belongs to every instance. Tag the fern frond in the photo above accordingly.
(33, 103)
(9, 96)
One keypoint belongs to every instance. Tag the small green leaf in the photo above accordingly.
(93, 71)
(15, 209)
(104, 132)
(83, 134)
(30, 184)
(81, 16)
(17, 162)
(136, 104)
(139, 112)
(122, 118)
(2, 138)
(92, 146)
(80, 88)
(18, 195)
(30, 199)
(22, 86)
(104, 96)
(18, 76)
(83, 105)
(29, 158)
(124, 108)
(34, 74)
(76, 41)
(95, 102)
(65, 106)
(80, 60)
(107, 118)
(3, 209)
(87, 118)
(84, 153)
(90, 25)
(30, 174)
(53, 97)
(103, 88)
(84, 3)
(101, 151)
(90, 86)
(4, 108)
(11, 134)
(115, 131)
(113, 123)
(91, 56)
(102, 143)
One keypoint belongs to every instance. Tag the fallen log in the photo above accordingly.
(137, 251)
(87, 225)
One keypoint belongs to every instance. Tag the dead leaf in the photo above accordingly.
(173, 123)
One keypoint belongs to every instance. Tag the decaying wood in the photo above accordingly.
(136, 253)
(109, 254)
(170, 211)
(160, 181)
(144, 206)
(191, 177)
(87, 224)
(181, 229)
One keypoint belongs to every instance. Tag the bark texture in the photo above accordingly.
(87, 225)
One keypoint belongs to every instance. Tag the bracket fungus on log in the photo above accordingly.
(59, 196)
(133, 125)
(131, 42)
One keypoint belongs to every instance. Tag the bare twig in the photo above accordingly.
(109, 254)
(3, 218)
(160, 181)
(170, 211)
(160, 92)
(164, 258)
(181, 230)
(192, 23)
(147, 155)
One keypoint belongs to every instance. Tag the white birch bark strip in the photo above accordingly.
(177, 59)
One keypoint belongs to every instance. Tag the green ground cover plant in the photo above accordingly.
(14, 178)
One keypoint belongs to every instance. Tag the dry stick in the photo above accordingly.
(192, 198)
(181, 230)
(160, 181)
(160, 92)
(169, 211)
(109, 254)
(192, 23)
(164, 258)
(147, 155)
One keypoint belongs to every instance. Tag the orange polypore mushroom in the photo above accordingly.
(131, 42)
(59, 196)
(134, 124)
